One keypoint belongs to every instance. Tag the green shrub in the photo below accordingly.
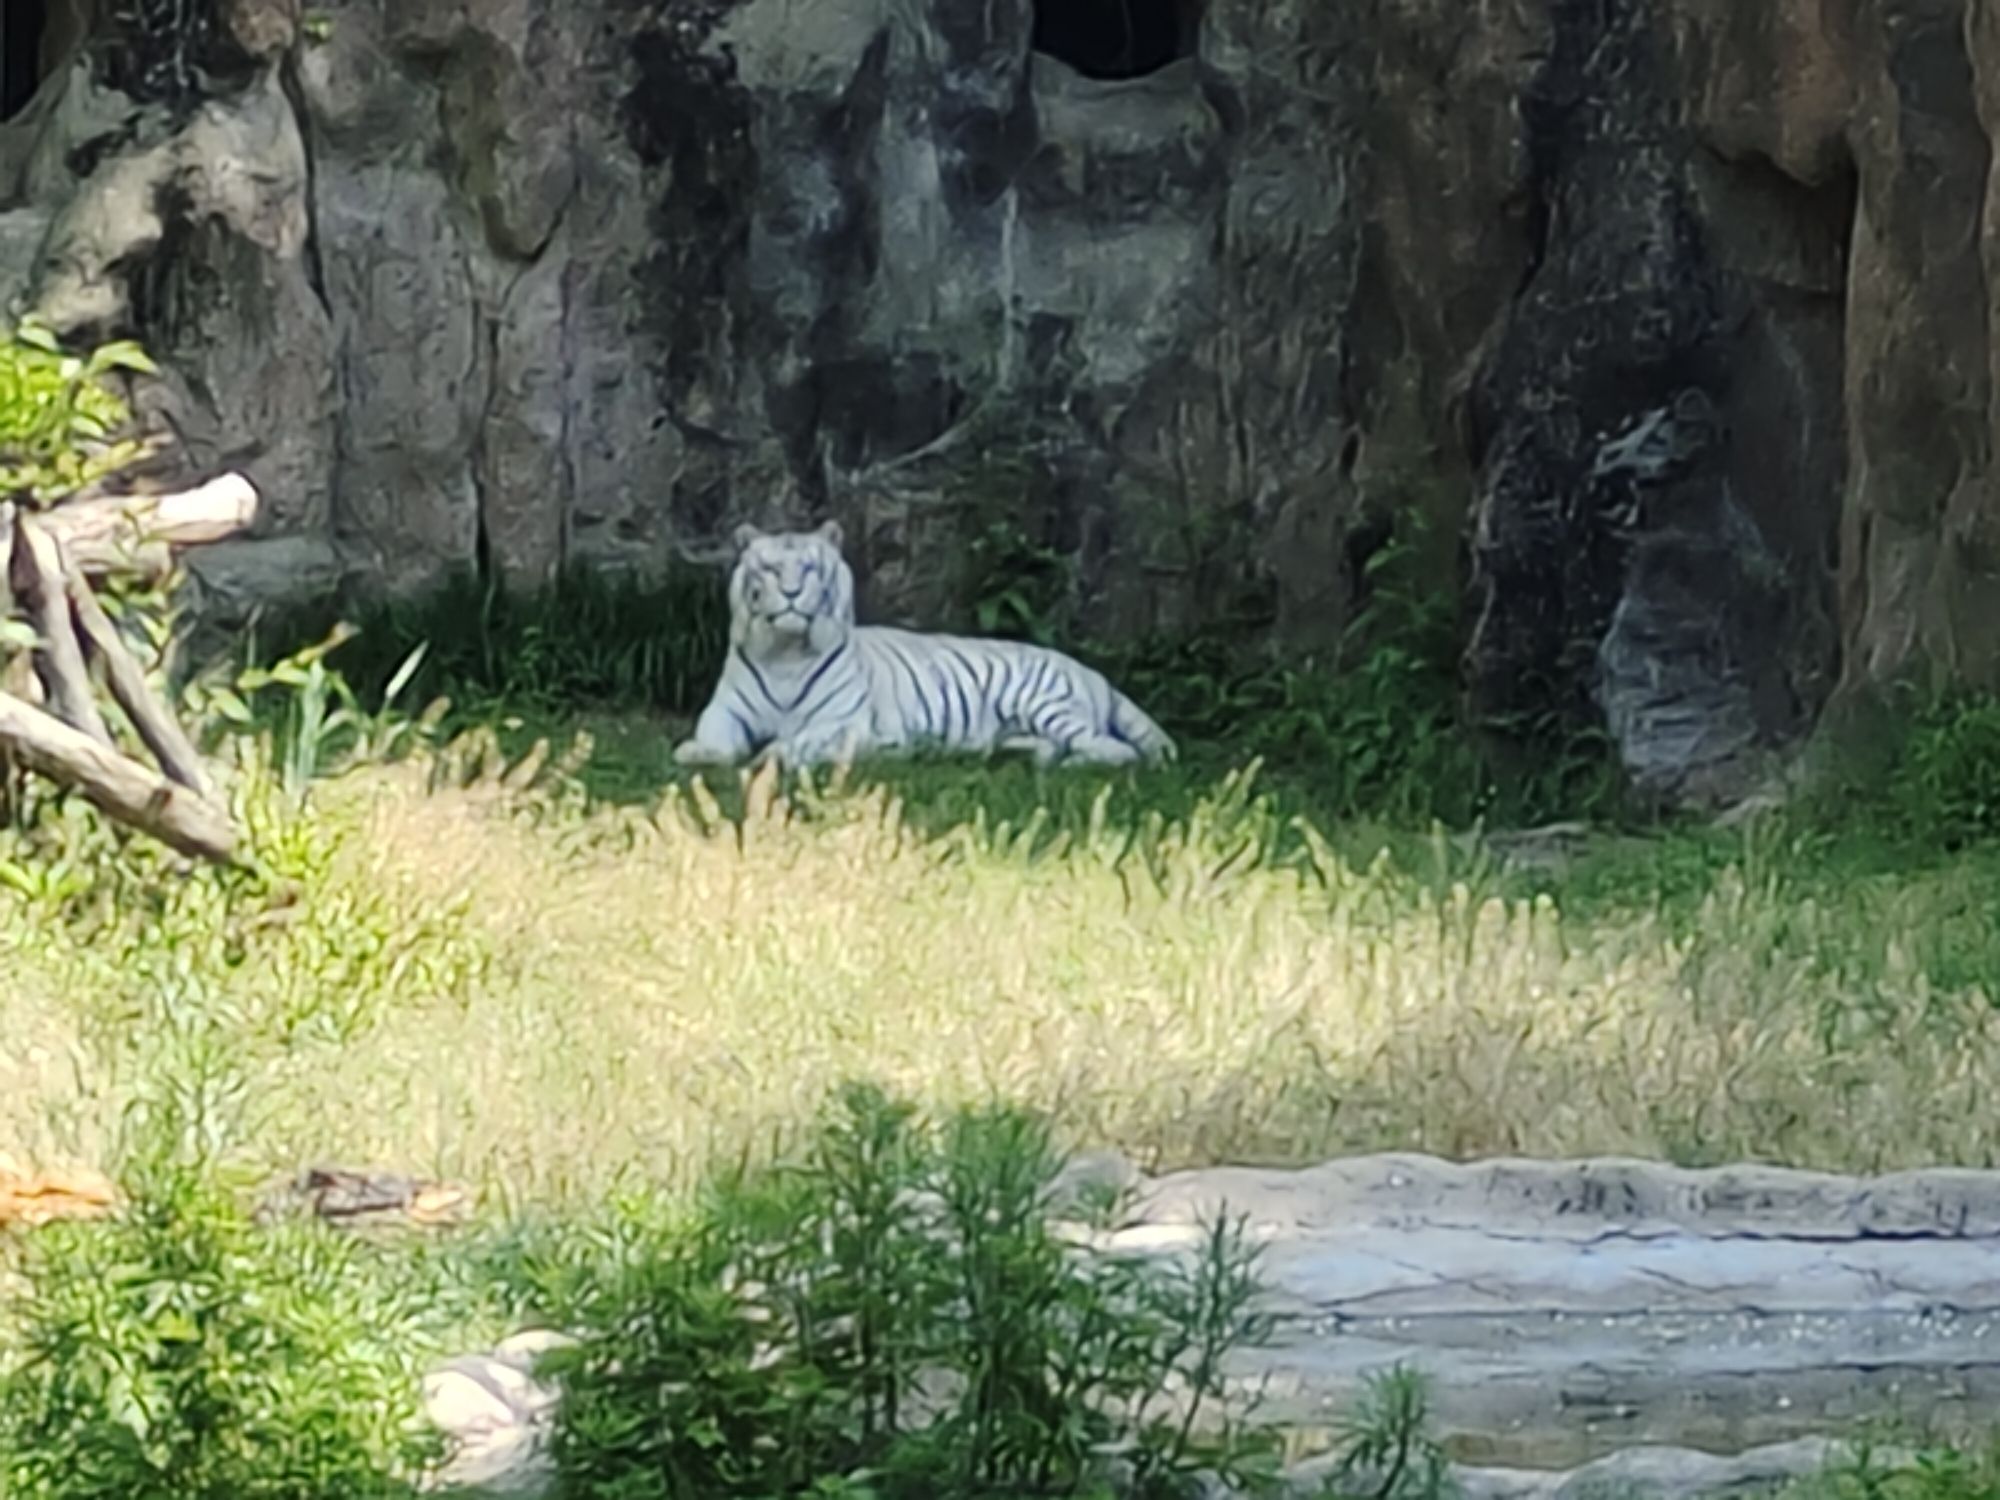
(59, 419)
(1933, 1474)
(591, 638)
(303, 944)
(179, 1351)
(1379, 740)
(1945, 784)
(893, 1316)
(1387, 1451)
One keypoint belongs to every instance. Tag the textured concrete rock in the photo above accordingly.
(1681, 312)
(1590, 1200)
(1565, 1310)
(1659, 1473)
(233, 580)
(1668, 1333)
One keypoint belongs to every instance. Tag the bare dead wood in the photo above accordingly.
(120, 787)
(137, 533)
(127, 680)
(36, 572)
(18, 677)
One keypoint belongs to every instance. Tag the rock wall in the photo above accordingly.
(1677, 312)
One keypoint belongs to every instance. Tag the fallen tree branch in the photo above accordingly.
(121, 788)
(36, 572)
(127, 681)
(137, 533)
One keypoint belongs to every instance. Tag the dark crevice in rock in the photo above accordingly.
(984, 121)
(485, 559)
(288, 78)
(1367, 539)
(848, 409)
(688, 116)
(167, 285)
(87, 156)
(1111, 39)
(1615, 308)
(1626, 567)
(22, 23)
(173, 53)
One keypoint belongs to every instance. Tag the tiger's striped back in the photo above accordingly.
(980, 693)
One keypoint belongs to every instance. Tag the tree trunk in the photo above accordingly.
(36, 572)
(121, 788)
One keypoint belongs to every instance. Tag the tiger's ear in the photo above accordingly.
(830, 533)
(744, 535)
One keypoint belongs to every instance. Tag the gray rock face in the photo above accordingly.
(1680, 312)
(1659, 1331)
(1566, 1311)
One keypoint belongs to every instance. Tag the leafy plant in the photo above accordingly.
(592, 638)
(59, 417)
(1374, 731)
(1018, 588)
(315, 720)
(181, 1352)
(1388, 1452)
(892, 1315)
(1945, 786)
(1933, 1473)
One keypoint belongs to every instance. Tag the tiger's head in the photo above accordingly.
(791, 591)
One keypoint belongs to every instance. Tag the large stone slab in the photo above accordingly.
(1563, 1310)
(1686, 1331)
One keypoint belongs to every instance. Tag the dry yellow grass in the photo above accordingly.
(658, 993)
(663, 996)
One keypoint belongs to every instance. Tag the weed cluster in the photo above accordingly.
(184, 1353)
(590, 638)
(60, 416)
(892, 1314)
(1932, 1473)
(1944, 788)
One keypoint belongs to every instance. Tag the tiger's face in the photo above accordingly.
(791, 591)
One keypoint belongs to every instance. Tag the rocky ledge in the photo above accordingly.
(1663, 329)
(1671, 1331)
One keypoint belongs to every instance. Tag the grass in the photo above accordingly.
(542, 992)
(545, 989)
(575, 979)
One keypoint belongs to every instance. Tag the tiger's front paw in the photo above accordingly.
(697, 753)
(820, 750)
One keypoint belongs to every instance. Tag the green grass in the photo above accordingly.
(585, 979)
(543, 992)
(1930, 1473)
(544, 989)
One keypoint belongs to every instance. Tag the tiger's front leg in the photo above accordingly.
(719, 739)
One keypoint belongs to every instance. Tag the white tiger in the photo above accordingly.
(806, 685)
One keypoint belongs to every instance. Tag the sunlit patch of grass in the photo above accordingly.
(543, 993)
(444, 964)
(1929, 1473)
(667, 988)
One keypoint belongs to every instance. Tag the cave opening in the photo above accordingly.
(1112, 39)
(22, 23)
